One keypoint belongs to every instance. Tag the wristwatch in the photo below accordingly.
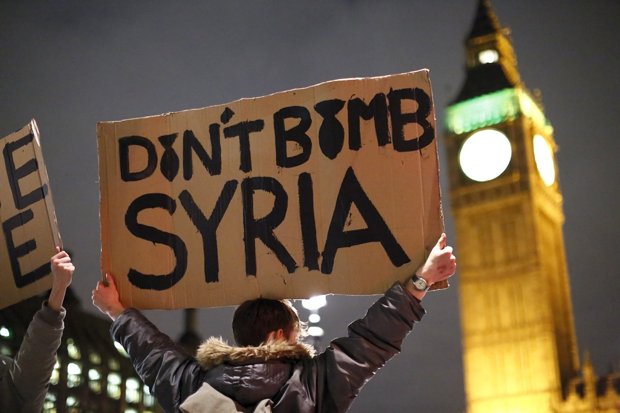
(419, 283)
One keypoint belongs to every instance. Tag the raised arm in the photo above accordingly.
(349, 362)
(171, 374)
(36, 357)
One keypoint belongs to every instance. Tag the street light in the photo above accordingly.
(314, 304)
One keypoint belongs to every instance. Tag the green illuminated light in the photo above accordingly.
(491, 109)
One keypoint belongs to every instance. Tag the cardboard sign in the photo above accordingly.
(29, 228)
(328, 189)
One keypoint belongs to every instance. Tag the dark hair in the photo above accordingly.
(255, 319)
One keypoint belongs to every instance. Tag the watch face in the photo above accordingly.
(543, 155)
(420, 283)
(485, 155)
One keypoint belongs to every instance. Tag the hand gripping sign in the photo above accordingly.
(332, 188)
(29, 230)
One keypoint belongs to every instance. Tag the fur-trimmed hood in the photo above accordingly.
(215, 351)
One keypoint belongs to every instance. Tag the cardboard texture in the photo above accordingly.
(29, 228)
(332, 188)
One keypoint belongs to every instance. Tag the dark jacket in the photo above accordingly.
(24, 380)
(289, 375)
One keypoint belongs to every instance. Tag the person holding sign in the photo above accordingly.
(271, 371)
(24, 380)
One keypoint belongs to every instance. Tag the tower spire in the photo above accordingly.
(485, 22)
(491, 62)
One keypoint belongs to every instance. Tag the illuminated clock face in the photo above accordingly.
(543, 155)
(485, 155)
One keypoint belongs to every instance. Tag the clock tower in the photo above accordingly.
(519, 344)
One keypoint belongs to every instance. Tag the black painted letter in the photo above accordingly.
(123, 153)
(351, 192)
(15, 252)
(213, 163)
(263, 227)
(308, 225)
(243, 130)
(169, 163)
(377, 109)
(400, 119)
(208, 226)
(296, 134)
(15, 174)
(331, 132)
(156, 281)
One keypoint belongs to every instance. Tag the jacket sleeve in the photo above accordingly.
(36, 357)
(349, 362)
(171, 374)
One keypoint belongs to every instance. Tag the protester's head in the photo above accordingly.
(256, 321)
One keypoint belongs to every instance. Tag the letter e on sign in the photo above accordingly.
(29, 230)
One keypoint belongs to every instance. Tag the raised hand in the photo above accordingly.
(440, 264)
(62, 274)
(105, 297)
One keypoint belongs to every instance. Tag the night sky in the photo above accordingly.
(70, 63)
